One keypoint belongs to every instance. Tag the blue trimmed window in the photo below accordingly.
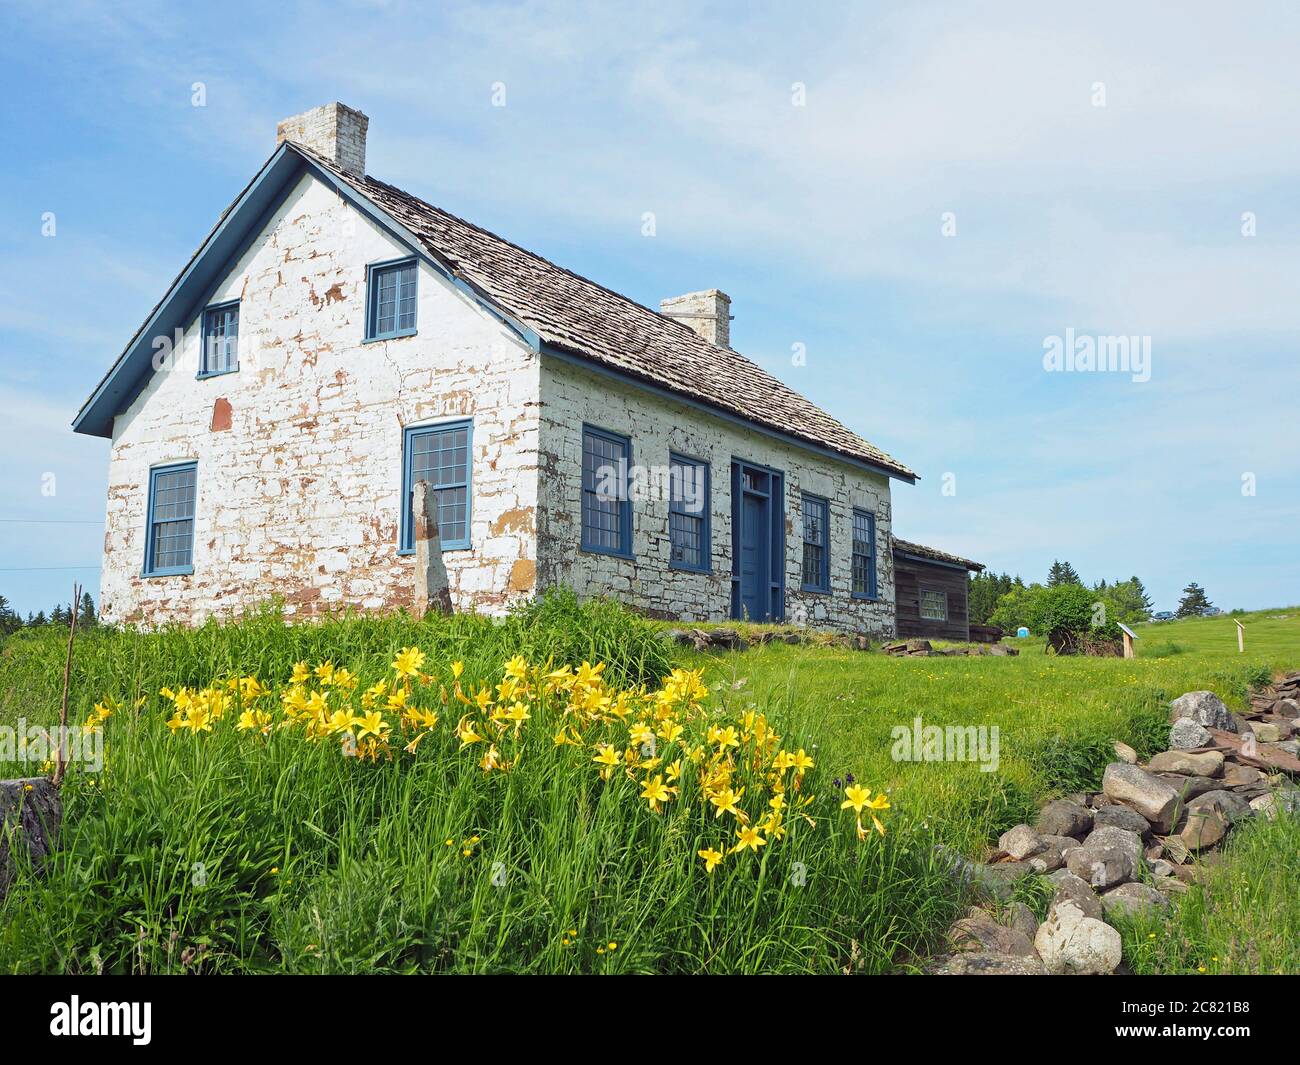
(606, 502)
(220, 340)
(816, 544)
(390, 300)
(688, 513)
(864, 555)
(169, 542)
(440, 455)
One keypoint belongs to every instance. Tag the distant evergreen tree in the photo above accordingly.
(1194, 601)
(1062, 573)
(58, 616)
(39, 618)
(9, 621)
(1141, 593)
(86, 617)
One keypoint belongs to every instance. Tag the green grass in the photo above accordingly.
(313, 863)
(1243, 919)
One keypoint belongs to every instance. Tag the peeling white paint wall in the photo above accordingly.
(572, 395)
(299, 498)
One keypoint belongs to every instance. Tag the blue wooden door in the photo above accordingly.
(754, 556)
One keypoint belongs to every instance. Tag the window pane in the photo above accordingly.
(814, 542)
(220, 340)
(441, 458)
(604, 473)
(934, 606)
(171, 537)
(864, 554)
(687, 512)
(393, 298)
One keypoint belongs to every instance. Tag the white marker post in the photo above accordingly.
(1241, 637)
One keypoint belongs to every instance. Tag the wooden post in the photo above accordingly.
(60, 759)
(1241, 637)
(1128, 646)
(432, 591)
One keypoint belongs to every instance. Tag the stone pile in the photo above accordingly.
(923, 648)
(727, 639)
(1127, 848)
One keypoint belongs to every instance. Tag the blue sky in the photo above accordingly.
(824, 222)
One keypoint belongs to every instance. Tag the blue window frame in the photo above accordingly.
(688, 514)
(606, 502)
(864, 554)
(220, 352)
(169, 523)
(816, 544)
(390, 299)
(441, 455)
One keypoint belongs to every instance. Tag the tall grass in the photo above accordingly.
(231, 852)
(131, 664)
(1244, 917)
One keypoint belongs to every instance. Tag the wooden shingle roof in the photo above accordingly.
(935, 555)
(579, 317)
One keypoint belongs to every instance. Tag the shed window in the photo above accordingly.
(934, 605)
(864, 554)
(440, 455)
(688, 513)
(169, 547)
(390, 300)
(816, 544)
(220, 340)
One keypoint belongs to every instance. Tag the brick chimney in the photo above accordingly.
(706, 313)
(336, 131)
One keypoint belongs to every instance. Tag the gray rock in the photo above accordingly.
(1125, 753)
(979, 932)
(1185, 734)
(1150, 796)
(1020, 842)
(1232, 805)
(1061, 817)
(999, 880)
(1209, 817)
(1134, 900)
(1241, 776)
(1205, 764)
(1123, 817)
(1159, 867)
(1190, 787)
(1276, 803)
(1113, 836)
(1101, 867)
(1070, 942)
(1069, 888)
(1205, 708)
(986, 963)
(1022, 919)
(1267, 732)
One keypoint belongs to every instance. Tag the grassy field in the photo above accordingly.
(422, 861)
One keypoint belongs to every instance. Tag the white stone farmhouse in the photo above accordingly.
(335, 339)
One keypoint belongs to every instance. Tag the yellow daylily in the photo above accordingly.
(712, 858)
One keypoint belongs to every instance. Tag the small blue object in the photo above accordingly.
(1022, 631)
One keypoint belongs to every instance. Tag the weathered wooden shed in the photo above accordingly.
(931, 591)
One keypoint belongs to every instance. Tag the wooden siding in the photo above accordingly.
(910, 577)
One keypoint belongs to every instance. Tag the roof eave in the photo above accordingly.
(586, 361)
